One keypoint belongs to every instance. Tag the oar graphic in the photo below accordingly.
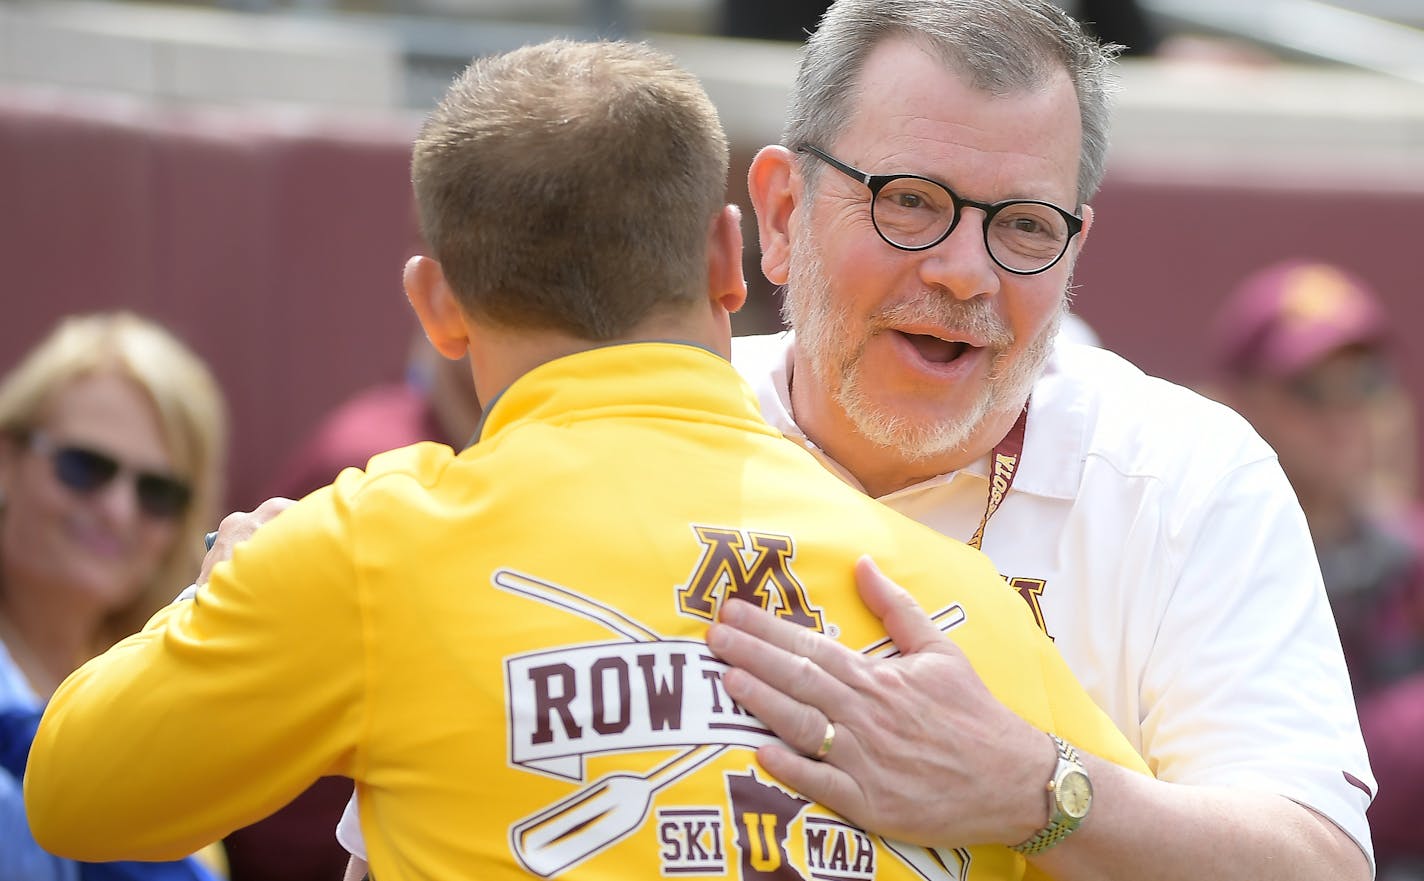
(597, 816)
(929, 863)
(608, 809)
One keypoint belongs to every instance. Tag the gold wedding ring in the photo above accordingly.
(826, 742)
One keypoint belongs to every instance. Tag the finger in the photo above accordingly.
(795, 677)
(801, 664)
(236, 528)
(905, 621)
(800, 725)
(793, 640)
(822, 782)
(271, 508)
(220, 548)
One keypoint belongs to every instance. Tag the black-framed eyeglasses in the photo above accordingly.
(85, 471)
(913, 213)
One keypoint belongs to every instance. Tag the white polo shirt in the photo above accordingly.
(1171, 564)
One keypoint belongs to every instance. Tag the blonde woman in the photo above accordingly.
(111, 454)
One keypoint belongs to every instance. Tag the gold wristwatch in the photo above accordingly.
(1070, 794)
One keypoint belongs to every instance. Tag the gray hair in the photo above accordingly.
(1001, 46)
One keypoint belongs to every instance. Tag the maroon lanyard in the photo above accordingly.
(1003, 467)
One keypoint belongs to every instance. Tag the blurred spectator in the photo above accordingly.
(435, 402)
(111, 449)
(1304, 356)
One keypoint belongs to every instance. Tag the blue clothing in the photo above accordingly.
(17, 732)
(21, 859)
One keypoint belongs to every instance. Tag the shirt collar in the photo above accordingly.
(664, 377)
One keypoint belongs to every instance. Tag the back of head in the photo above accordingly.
(570, 186)
(186, 400)
(998, 46)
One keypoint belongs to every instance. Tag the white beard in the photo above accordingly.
(834, 348)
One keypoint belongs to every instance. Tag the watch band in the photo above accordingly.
(1059, 825)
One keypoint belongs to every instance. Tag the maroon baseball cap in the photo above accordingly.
(1288, 316)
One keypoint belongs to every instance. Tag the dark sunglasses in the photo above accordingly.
(83, 470)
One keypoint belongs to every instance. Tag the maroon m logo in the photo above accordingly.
(766, 580)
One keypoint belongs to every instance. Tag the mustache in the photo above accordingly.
(975, 317)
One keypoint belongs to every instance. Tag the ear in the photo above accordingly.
(1087, 225)
(775, 190)
(436, 307)
(726, 285)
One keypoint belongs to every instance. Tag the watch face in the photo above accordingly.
(1075, 794)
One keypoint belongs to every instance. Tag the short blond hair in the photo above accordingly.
(191, 414)
(570, 186)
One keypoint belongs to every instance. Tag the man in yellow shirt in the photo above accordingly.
(506, 647)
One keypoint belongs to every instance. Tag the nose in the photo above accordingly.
(961, 265)
(117, 501)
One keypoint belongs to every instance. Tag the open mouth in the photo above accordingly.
(936, 350)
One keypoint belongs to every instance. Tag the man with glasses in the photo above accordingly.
(924, 214)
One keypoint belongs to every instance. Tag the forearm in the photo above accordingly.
(213, 717)
(1145, 828)
(114, 771)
